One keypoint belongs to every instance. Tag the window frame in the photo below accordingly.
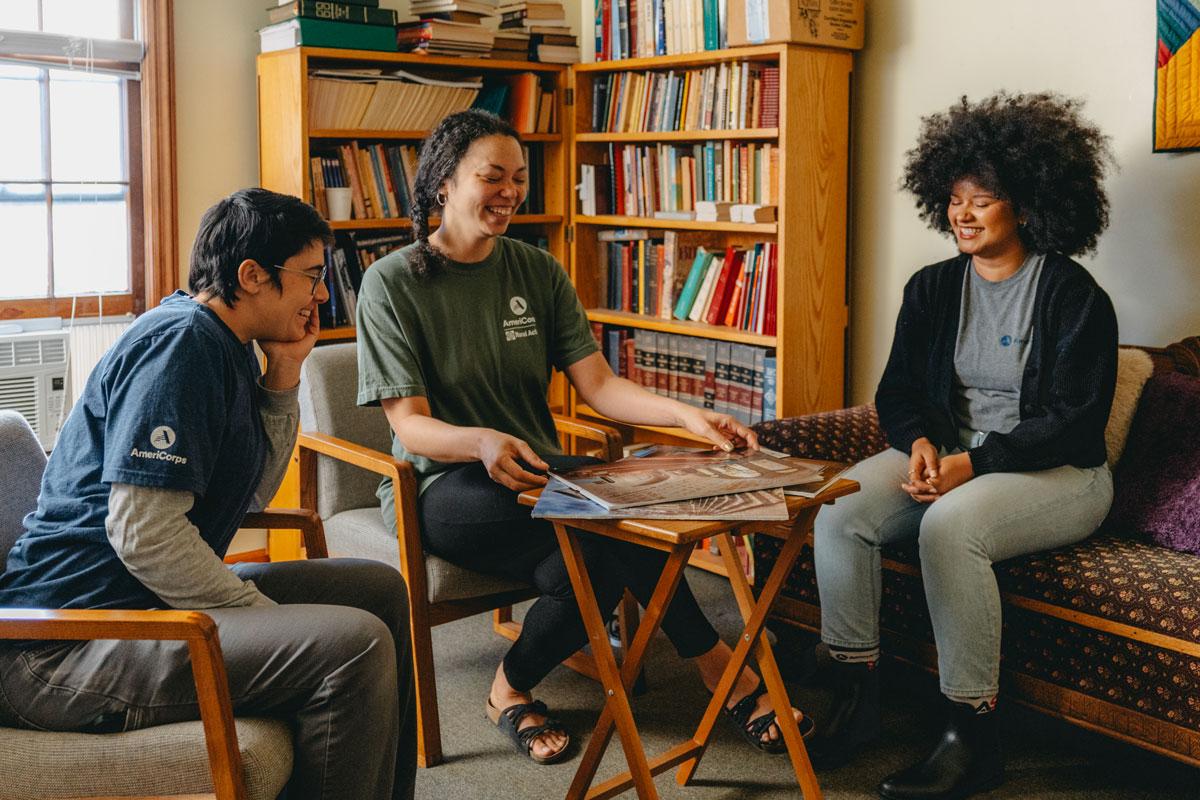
(153, 201)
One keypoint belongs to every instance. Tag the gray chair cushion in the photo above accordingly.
(167, 759)
(328, 403)
(361, 533)
(21, 466)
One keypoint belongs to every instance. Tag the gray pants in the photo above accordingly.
(961, 534)
(333, 659)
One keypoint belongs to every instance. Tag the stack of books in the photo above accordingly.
(394, 100)
(545, 24)
(354, 24)
(448, 27)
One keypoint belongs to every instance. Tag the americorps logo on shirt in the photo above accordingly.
(522, 325)
(162, 438)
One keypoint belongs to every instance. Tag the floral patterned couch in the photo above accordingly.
(1104, 634)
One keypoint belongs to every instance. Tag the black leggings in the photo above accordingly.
(474, 522)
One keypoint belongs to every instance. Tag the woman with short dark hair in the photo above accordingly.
(457, 335)
(994, 401)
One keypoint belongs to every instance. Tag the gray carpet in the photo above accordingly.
(1046, 758)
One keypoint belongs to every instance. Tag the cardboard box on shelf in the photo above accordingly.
(831, 23)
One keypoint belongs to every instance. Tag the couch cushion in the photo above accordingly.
(1134, 368)
(167, 760)
(1158, 482)
(361, 533)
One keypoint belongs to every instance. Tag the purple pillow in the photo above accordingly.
(1157, 486)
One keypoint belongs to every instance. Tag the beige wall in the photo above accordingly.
(216, 103)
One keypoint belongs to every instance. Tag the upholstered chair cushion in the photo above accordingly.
(1134, 368)
(20, 477)
(163, 760)
(1158, 481)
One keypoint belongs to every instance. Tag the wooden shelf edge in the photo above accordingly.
(685, 328)
(362, 133)
(681, 224)
(342, 334)
(340, 54)
(676, 136)
(405, 222)
(762, 51)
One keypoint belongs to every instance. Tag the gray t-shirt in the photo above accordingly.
(477, 340)
(995, 332)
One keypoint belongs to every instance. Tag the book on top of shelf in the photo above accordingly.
(326, 33)
(559, 501)
(476, 8)
(371, 3)
(660, 474)
(321, 9)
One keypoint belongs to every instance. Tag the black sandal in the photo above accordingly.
(753, 730)
(509, 719)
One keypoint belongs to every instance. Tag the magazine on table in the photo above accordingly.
(560, 501)
(828, 473)
(662, 474)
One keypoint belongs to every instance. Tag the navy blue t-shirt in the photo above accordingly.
(174, 405)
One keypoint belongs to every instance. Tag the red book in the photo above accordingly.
(723, 290)
(606, 29)
(769, 324)
(626, 277)
(735, 301)
(618, 167)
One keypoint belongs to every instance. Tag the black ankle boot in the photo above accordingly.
(853, 720)
(966, 760)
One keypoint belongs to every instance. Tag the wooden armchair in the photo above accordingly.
(217, 757)
(344, 451)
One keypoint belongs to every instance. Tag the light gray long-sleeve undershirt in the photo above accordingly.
(149, 529)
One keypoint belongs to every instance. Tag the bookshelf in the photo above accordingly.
(286, 142)
(809, 235)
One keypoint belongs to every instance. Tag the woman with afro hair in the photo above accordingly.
(994, 402)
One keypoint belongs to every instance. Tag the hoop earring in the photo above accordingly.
(441, 199)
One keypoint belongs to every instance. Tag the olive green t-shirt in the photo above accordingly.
(478, 341)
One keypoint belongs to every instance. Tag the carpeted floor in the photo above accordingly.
(1046, 758)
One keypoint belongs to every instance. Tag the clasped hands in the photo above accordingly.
(930, 476)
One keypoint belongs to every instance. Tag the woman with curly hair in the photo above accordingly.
(457, 334)
(994, 401)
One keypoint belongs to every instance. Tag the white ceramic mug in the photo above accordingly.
(338, 200)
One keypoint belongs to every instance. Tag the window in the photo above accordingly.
(72, 213)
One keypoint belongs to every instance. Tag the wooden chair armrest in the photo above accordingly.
(355, 454)
(302, 519)
(204, 647)
(607, 437)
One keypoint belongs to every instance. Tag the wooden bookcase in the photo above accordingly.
(811, 232)
(286, 141)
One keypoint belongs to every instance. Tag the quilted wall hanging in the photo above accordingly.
(1177, 90)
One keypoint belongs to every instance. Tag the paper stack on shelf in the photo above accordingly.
(397, 100)
(545, 23)
(447, 33)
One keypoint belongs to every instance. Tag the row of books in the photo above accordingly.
(351, 253)
(733, 286)
(643, 28)
(727, 377)
(669, 181)
(730, 96)
(381, 178)
(397, 100)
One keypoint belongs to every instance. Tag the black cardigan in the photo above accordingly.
(1066, 388)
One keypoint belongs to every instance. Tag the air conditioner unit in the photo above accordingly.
(33, 379)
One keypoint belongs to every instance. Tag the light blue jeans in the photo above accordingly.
(961, 534)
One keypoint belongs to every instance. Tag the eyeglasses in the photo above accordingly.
(316, 279)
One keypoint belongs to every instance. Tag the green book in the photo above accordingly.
(326, 33)
(687, 295)
(339, 12)
(371, 3)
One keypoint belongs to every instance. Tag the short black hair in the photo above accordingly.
(258, 224)
(440, 156)
(1034, 150)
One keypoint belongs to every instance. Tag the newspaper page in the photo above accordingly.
(559, 501)
(661, 474)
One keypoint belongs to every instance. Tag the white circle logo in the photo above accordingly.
(162, 437)
(518, 305)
